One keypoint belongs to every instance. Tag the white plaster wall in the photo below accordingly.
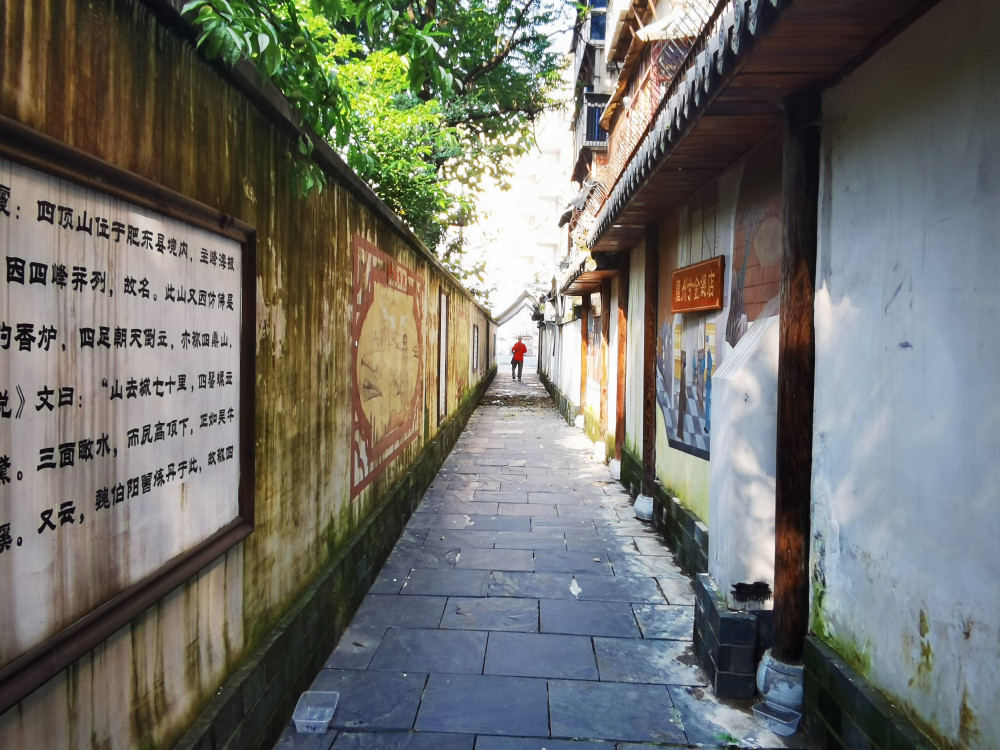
(741, 488)
(612, 355)
(906, 473)
(568, 371)
(634, 346)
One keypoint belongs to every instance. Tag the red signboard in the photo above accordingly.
(698, 287)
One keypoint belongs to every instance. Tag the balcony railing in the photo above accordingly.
(589, 132)
(589, 35)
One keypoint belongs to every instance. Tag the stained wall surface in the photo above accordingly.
(348, 352)
(905, 479)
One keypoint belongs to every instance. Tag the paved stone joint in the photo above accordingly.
(525, 607)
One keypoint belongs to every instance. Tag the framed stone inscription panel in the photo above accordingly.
(126, 399)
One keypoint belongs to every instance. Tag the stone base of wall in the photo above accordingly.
(567, 408)
(729, 644)
(631, 472)
(684, 532)
(253, 706)
(843, 710)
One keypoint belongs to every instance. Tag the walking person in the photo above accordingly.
(517, 361)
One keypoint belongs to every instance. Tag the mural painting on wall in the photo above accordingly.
(386, 362)
(756, 266)
(462, 374)
(687, 353)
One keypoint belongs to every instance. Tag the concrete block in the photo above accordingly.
(729, 685)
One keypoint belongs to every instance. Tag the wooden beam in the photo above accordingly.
(584, 315)
(650, 304)
(623, 281)
(796, 375)
(605, 334)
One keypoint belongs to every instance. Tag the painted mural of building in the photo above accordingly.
(778, 315)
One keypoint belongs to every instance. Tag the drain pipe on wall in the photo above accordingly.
(779, 678)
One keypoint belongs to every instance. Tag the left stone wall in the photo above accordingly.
(217, 659)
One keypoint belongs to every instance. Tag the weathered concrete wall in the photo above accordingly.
(116, 81)
(905, 476)
(634, 350)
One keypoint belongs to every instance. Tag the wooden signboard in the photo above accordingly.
(126, 399)
(698, 287)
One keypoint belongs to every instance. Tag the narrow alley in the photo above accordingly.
(525, 607)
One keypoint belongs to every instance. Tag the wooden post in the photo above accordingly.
(623, 276)
(796, 375)
(650, 305)
(584, 315)
(605, 333)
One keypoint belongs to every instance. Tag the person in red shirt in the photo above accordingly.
(517, 361)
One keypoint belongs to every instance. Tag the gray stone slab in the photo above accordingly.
(532, 585)
(603, 588)
(706, 719)
(530, 540)
(637, 565)
(617, 712)
(477, 485)
(372, 700)
(653, 545)
(466, 506)
(556, 494)
(378, 610)
(511, 485)
(583, 527)
(436, 651)
(494, 522)
(559, 561)
(583, 512)
(539, 743)
(355, 648)
(513, 459)
(568, 657)
(293, 740)
(404, 559)
(503, 496)
(652, 662)
(484, 704)
(445, 582)
(434, 521)
(612, 619)
(461, 539)
(677, 590)
(665, 621)
(437, 495)
(619, 525)
(496, 559)
(413, 537)
(404, 741)
(518, 615)
(389, 582)
(598, 544)
(535, 510)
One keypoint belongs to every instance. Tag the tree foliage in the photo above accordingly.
(425, 98)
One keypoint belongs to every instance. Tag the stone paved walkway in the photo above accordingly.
(525, 608)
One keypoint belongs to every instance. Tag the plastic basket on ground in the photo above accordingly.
(314, 711)
(778, 719)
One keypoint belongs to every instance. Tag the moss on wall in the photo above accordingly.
(114, 81)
